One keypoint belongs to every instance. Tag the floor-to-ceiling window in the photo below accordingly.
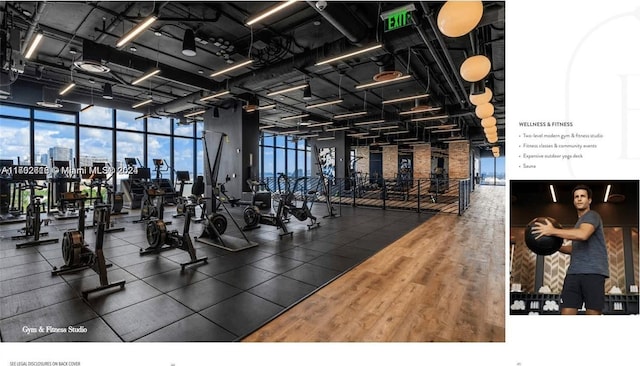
(492, 171)
(283, 154)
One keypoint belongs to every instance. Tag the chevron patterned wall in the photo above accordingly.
(615, 249)
(523, 268)
(556, 265)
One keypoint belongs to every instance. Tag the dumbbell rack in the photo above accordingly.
(534, 302)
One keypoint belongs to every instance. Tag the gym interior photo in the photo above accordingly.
(252, 171)
(538, 268)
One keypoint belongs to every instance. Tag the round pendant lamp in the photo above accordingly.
(475, 68)
(484, 110)
(491, 130)
(488, 122)
(457, 18)
(477, 99)
(492, 139)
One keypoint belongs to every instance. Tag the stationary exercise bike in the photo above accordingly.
(78, 256)
(302, 212)
(254, 216)
(152, 204)
(33, 223)
(160, 239)
(98, 183)
(181, 202)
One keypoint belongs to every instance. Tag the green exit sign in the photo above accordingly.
(398, 20)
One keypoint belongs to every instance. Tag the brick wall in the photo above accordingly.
(390, 161)
(421, 161)
(459, 155)
(362, 165)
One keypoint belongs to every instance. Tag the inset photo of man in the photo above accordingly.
(574, 247)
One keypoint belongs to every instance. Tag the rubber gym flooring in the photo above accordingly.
(223, 300)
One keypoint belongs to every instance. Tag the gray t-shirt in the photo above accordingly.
(590, 256)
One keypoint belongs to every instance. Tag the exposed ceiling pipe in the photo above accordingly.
(34, 24)
(443, 70)
(444, 48)
(340, 16)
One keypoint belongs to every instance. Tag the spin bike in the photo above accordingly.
(33, 222)
(78, 256)
(301, 213)
(98, 184)
(253, 216)
(152, 205)
(160, 239)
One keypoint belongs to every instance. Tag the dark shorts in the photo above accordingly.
(583, 288)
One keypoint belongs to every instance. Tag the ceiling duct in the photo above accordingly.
(94, 58)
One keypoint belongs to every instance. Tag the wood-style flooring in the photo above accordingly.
(442, 282)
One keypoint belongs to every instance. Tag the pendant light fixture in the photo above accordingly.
(189, 43)
(107, 92)
(457, 18)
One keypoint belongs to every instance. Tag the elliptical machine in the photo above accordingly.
(78, 256)
(160, 239)
(33, 221)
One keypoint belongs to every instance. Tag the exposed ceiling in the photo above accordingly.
(284, 48)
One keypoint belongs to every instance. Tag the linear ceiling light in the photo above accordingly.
(144, 102)
(337, 129)
(404, 99)
(146, 76)
(553, 193)
(224, 71)
(357, 134)
(362, 86)
(148, 115)
(307, 136)
(440, 126)
(347, 115)
(407, 139)
(429, 118)
(294, 117)
(293, 132)
(337, 101)
(383, 128)
(446, 130)
(421, 110)
(213, 96)
(287, 90)
(369, 122)
(196, 113)
(606, 194)
(87, 107)
(265, 127)
(349, 55)
(66, 89)
(320, 124)
(268, 106)
(395, 132)
(269, 12)
(34, 45)
(136, 31)
(326, 138)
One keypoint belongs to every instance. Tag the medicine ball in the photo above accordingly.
(544, 245)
